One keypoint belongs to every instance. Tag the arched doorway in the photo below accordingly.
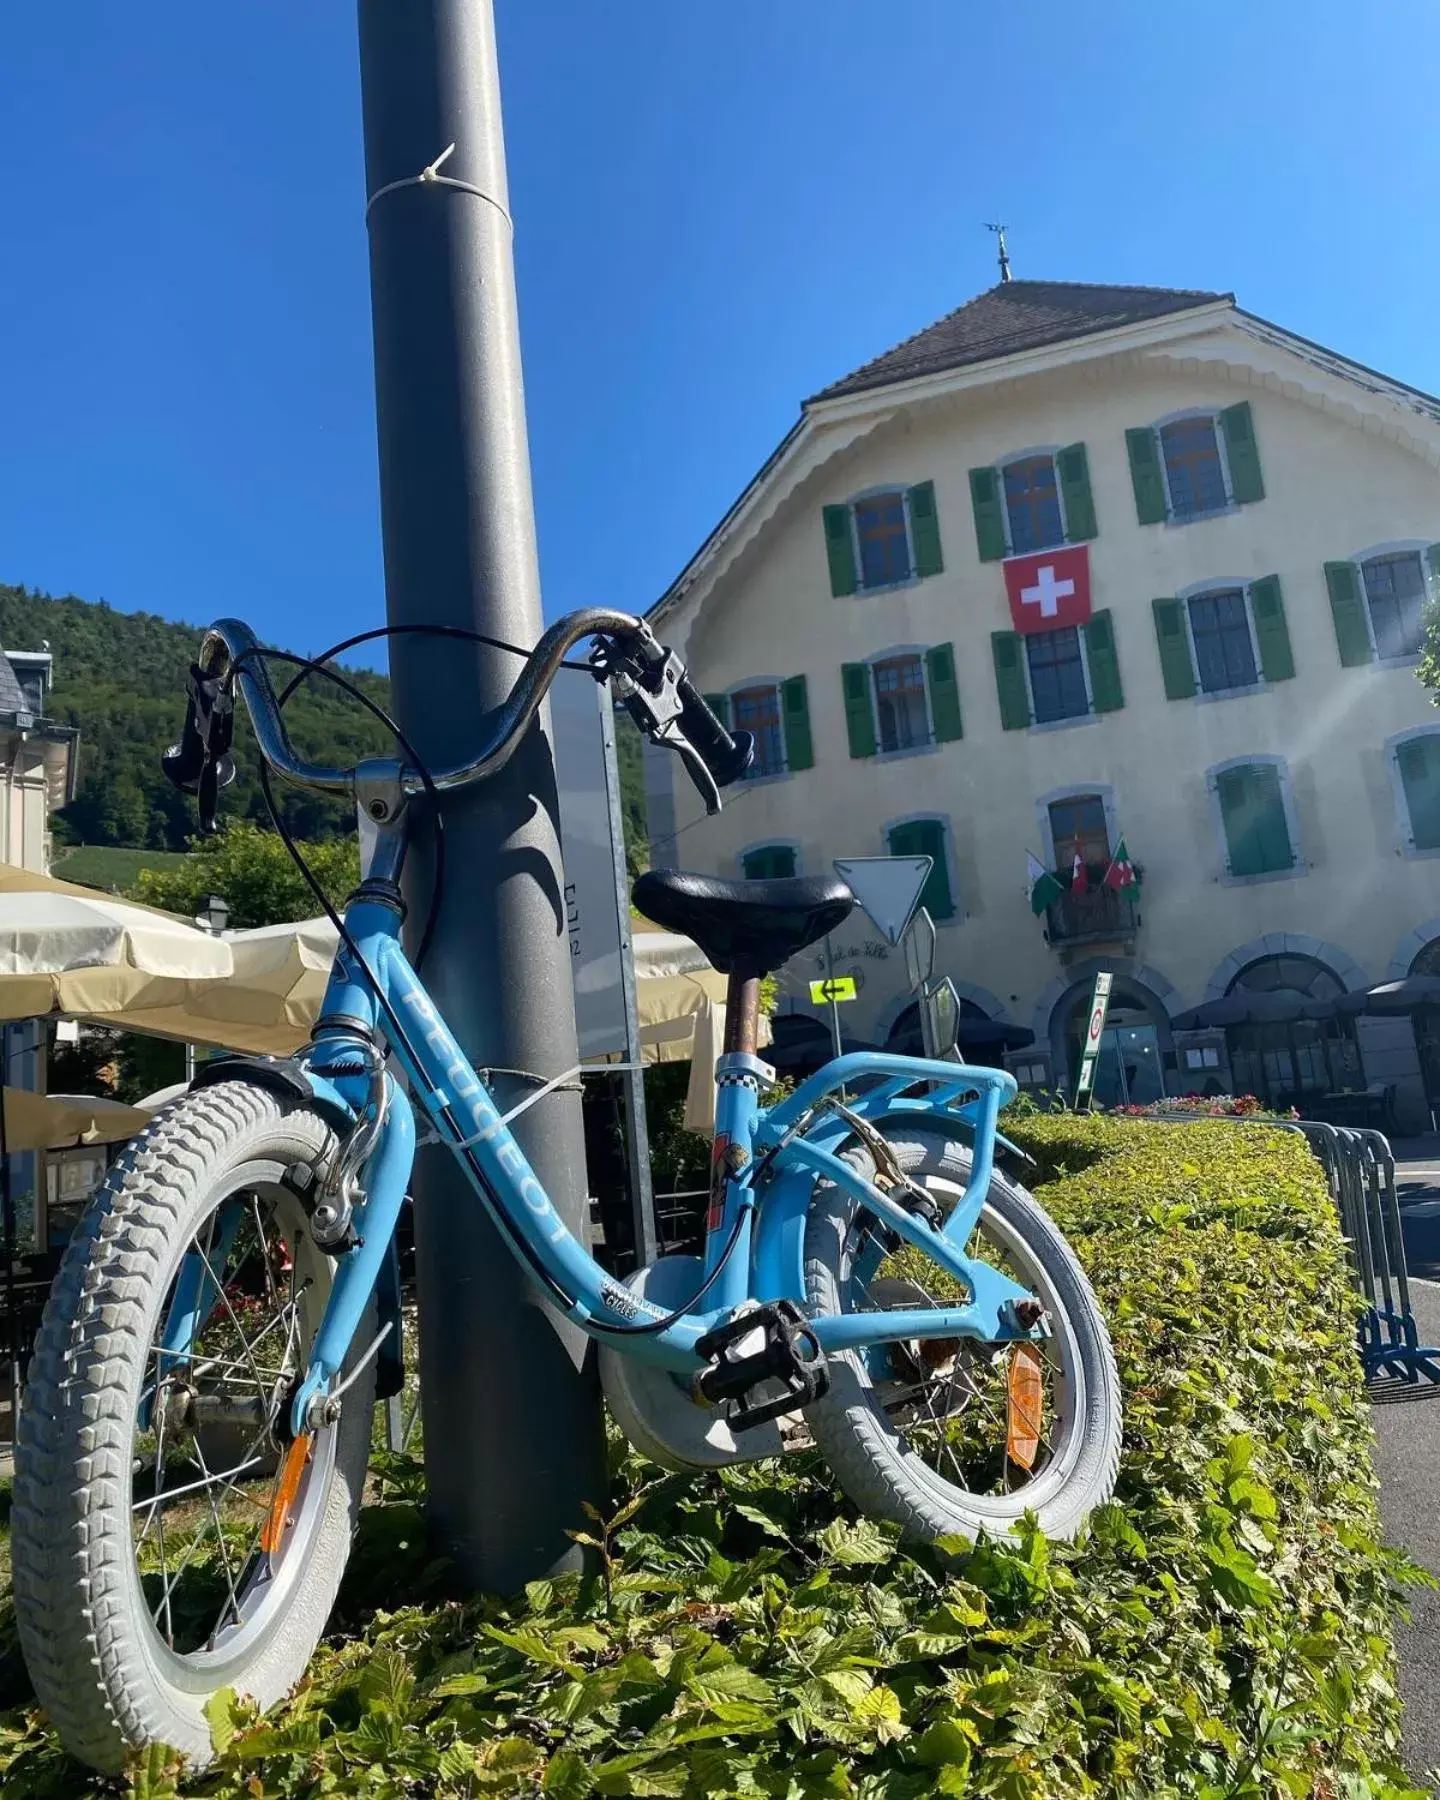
(1131, 1069)
(1287, 1064)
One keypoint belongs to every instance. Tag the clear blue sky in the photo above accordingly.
(721, 205)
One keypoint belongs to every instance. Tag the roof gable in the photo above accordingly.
(1013, 317)
(12, 695)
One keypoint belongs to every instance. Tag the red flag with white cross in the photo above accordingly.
(1050, 589)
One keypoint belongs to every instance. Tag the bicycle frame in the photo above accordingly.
(767, 1165)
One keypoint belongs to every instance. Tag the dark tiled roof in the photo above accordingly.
(1017, 315)
(12, 695)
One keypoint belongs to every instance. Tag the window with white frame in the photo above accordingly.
(1032, 504)
(1058, 687)
(902, 711)
(1220, 630)
(1195, 476)
(757, 710)
(1395, 594)
(882, 534)
(1195, 464)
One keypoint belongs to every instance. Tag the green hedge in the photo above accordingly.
(1222, 1631)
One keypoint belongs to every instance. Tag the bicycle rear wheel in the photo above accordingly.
(955, 1435)
(169, 1537)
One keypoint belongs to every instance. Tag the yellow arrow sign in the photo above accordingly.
(838, 987)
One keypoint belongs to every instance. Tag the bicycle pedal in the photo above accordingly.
(789, 1353)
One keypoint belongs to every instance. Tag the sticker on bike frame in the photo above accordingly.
(719, 1173)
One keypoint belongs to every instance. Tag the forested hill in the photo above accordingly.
(121, 678)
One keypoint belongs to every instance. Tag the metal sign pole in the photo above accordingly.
(830, 991)
(514, 1441)
(1094, 1037)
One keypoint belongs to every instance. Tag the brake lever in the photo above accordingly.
(201, 763)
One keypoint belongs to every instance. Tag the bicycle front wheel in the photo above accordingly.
(169, 1538)
(956, 1435)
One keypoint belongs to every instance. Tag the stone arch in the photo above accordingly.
(1286, 943)
(1410, 947)
(1141, 974)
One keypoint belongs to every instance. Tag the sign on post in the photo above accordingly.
(832, 988)
(1094, 1035)
(918, 945)
(940, 1019)
(888, 887)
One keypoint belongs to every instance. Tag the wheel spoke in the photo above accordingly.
(212, 1407)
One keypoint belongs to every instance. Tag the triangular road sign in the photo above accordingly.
(888, 887)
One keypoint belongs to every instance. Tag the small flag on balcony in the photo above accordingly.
(1079, 881)
(1121, 873)
(1042, 884)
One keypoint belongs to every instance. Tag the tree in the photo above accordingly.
(252, 870)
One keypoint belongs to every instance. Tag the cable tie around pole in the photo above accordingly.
(430, 176)
(565, 1083)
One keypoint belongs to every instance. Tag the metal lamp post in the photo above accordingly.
(513, 1438)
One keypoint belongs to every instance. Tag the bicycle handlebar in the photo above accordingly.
(231, 655)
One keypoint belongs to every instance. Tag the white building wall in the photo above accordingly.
(1334, 488)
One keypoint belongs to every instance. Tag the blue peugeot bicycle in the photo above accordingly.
(197, 1424)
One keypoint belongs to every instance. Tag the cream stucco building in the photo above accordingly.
(1257, 520)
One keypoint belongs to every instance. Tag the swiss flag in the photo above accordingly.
(1049, 590)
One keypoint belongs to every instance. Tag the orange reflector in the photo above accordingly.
(1024, 1405)
(292, 1472)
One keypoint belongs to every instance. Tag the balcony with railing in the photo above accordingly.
(1099, 915)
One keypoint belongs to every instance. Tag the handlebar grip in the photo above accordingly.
(727, 757)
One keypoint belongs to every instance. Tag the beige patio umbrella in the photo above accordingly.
(69, 949)
(59, 1121)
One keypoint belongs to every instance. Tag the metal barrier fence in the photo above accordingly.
(1359, 1168)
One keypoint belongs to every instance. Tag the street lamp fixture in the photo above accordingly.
(214, 914)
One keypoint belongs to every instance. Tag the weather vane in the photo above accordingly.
(1000, 231)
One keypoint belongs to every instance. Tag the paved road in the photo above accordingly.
(1407, 1456)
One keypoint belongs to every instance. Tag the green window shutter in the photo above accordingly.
(719, 704)
(1432, 556)
(1252, 807)
(926, 837)
(1277, 663)
(1272, 827)
(989, 518)
(944, 694)
(1242, 454)
(840, 549)
(1176, 669)
(1009, 653)
(1146, 475)
(1347, 609)
(1106, 694)
(1419, 760)
(1072, 466)
(772, 862)
(795, 718)
(859, 713)
(925, 530)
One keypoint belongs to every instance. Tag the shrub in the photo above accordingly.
(1221, 1632)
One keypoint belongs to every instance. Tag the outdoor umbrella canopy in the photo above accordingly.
(1250, 1006)
(73, 950)
(58, 1121)
(1404, 996)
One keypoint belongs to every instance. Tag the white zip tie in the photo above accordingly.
(430, 176)
(556, 1081)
